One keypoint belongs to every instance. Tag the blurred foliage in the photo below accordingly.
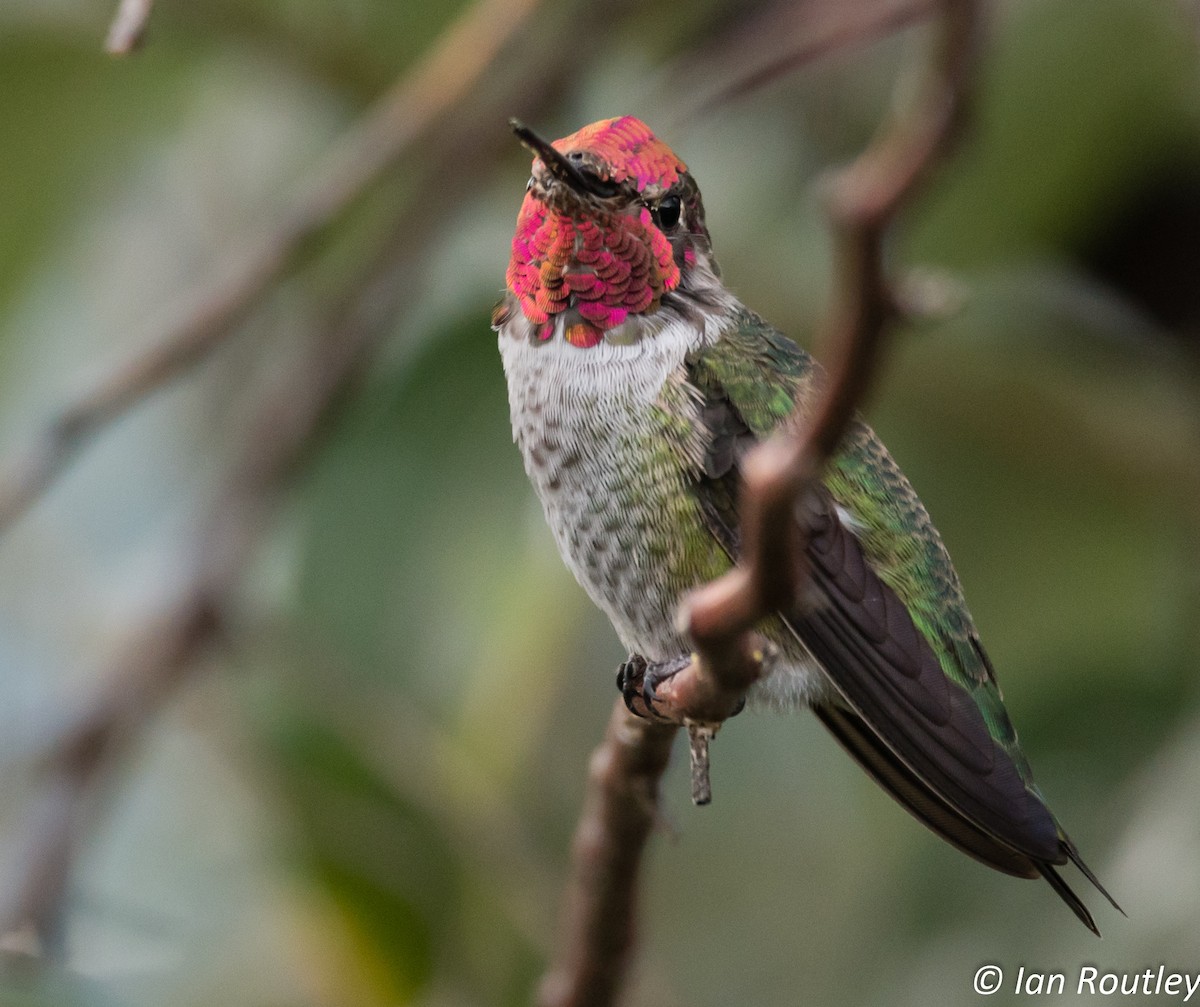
(366, 795)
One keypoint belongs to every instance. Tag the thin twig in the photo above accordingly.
(128, 27)
(206, 318)
(699, 735)
(720, 616)
(619, 812)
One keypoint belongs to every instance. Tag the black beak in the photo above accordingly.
(559, 166)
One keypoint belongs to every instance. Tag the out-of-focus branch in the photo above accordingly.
(148, 670)
(812, 29)
(205, 318)
(721, 616)
(160, 653)
(619, 812)
(128, 27)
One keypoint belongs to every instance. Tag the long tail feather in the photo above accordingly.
(1077, 860)
(1069, 897)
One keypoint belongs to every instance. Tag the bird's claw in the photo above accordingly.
(631, 679)
(639, 681)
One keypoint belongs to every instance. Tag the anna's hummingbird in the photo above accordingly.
(637, 381)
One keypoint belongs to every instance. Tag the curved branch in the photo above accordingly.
(863, 201)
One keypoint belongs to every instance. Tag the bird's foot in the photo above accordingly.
(639, 681)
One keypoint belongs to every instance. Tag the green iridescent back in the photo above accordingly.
(762, 373)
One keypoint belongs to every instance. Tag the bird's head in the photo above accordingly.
(611, 230)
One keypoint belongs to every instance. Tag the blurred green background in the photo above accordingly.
(365, 793)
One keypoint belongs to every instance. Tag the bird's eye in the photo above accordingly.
(666, 213)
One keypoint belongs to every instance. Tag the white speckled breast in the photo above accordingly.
(616, 501)
(584, 421)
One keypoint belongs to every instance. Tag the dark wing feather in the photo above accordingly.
(889, 674)
(915, 730)
(915, 795)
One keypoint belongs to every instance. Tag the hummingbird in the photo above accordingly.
(637, 382)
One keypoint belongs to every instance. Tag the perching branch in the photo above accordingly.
(720, 617)
(207, 317)
(863, 200)
(128, 27)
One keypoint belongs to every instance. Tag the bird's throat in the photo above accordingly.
(591, 273)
